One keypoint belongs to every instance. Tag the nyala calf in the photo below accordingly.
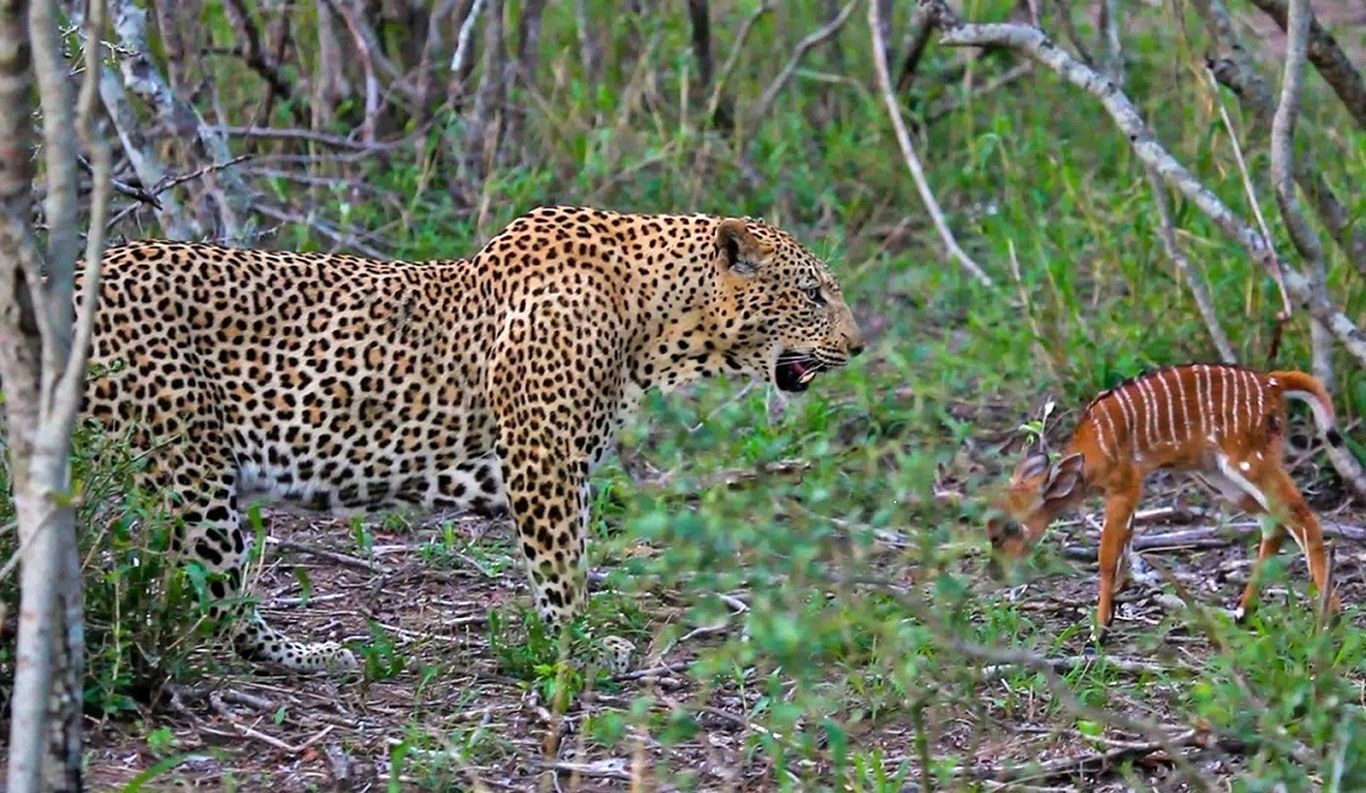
(1224, 424)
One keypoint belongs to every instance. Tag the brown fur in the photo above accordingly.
(1224, 424)
(490, 384)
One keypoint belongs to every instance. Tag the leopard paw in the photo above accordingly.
(616, 654)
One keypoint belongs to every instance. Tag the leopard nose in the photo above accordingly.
(856, 346)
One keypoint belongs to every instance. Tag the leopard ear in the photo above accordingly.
(740, 250)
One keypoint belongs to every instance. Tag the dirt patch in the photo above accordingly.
(465, 723)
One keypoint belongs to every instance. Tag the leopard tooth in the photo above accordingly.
(806, 377)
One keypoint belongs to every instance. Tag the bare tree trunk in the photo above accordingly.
(143, 78)
(590, 51)
(330, 85)
(484, 125)
(521, 71)
(43, 349)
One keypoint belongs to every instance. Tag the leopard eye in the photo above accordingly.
(813, 293)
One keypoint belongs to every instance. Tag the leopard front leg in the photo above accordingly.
(552, 411)
(548, 498)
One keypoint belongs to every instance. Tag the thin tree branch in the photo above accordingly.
(917, 38)
(1036, 45)
(66, 399)
(348, 12)
(738, 47)
(142, 156)
(1306, 241)
(1194, 281)
(461, 57)
(1278, 272)
(590, 54)
(811, 40)
(1235, 70)
(903, 139)
(1113, 48)
(1328, 58)
(256, 56)
(1069, 29)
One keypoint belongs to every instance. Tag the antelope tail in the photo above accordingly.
(1307, 388)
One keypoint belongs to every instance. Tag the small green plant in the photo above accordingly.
(381, 659)
(144, 613)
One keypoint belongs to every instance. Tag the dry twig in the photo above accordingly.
(903, 139)
(811, 40)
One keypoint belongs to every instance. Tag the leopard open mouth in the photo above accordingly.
(795, 371)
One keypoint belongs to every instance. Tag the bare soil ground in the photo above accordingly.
(262, 732)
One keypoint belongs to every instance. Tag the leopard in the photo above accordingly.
(492, 384)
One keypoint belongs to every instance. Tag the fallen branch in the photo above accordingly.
(343, 559)
(1036, 45)
(903, 139)
(1064, 695)
(1210, 537)
(1067, 664)
(249, 732)
(1099, 761)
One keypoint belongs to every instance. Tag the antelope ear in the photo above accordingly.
(1064, 477)
(739, 248)
(1033, 464)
